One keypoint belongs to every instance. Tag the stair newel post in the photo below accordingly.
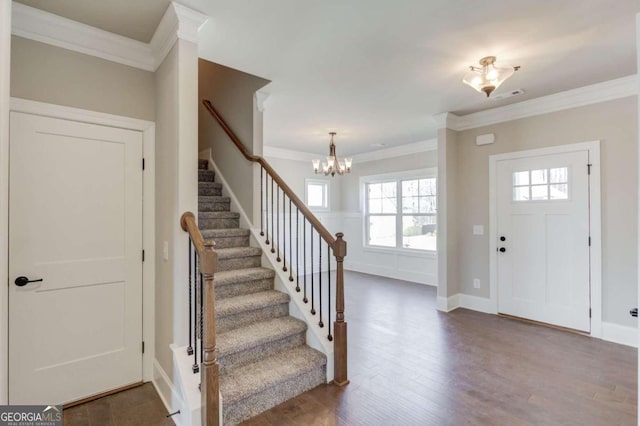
(210, 372)
(340, 326)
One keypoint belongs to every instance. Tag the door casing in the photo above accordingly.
(593, 147)
(147, 128)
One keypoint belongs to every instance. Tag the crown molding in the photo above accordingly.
(396, 151)
(45, 27)
(445, 120)
(582, 96)
(261, 98)
(178, 22)
(381, 154)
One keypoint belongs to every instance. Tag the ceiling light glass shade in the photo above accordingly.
(333, 164)
(489, 77)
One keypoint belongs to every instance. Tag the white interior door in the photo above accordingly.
(543, 239)
(76, 223)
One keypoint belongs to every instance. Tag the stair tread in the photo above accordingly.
(268, 372)
(224, 232)
(218, 215)
(258, 334)
(250, 302)
(213, 198)
(242, 275)
(235, 252)
(210, 184)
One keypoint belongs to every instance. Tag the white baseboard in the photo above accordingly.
(389, 272)
(621, 334)
(168, 394)
(475, 303)
(448, 304)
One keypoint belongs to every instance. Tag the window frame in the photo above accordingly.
(398, 178)
(326, 193)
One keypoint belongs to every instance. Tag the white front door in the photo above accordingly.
(75, 217)
(543, 239)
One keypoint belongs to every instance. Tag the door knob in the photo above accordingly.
(502, 238)
(22, 281)
(502, 249)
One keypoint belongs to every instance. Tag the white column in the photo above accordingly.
(447, 235)
(5, 68)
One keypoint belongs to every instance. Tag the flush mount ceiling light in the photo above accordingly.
(489, 77)
(332, 165)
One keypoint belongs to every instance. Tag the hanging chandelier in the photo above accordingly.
(333, 165)
(489, 77)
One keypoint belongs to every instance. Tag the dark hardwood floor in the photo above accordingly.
(140, 406)
(412, 365)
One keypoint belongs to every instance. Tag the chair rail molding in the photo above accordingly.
(178, 22)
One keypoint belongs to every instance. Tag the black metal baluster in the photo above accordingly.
(284, 232)
(261, 200)
(320, 323)
(273, 238)
(266, 210)
(329, 336)
(190, 348)
(278, 224)
(290, 246)
(313, 303)
(298, 250)
(201, 317)
(304, 257)
(196, 367)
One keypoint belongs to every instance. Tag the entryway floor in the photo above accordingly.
(140, 406)
(412, 365)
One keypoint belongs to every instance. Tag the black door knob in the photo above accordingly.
(502, 249)
(22, 281)
(503, 238)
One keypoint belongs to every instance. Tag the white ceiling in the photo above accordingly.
(375, 71)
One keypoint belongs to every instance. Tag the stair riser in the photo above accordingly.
(218, 223)
(247, 287)
(209, 190)
(206, 176)
(254, 354)
(257, 403)
(214, 206)
(203, 164)
(238, 263)
(230, 242)
(241, 319)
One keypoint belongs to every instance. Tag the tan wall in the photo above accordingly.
(614, 123)
(231, 93)
(166, 203)
(46, 73)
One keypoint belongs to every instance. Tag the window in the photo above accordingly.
(401, 213)
(541, 184)
(317, 194)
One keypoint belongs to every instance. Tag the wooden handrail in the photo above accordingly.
(210, 371)
(338, 246)
(324, 233)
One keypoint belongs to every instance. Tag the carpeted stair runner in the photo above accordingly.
(261, 349)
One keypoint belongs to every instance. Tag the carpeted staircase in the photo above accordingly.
(261, 349)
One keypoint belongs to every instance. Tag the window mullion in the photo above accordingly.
(399, 208)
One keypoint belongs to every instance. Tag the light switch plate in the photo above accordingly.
(478, 230)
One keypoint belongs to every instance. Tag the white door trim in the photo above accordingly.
(594, 223)
(5, 70)
(148, 129)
